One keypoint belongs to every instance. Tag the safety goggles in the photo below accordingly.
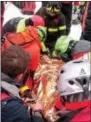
(51, 9)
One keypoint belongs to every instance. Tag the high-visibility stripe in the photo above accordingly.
(52, 29)
(89, 56)
(56, 10)
(54, 53)
(49, 8)
(62, 27)
(44, 49)
(21, 26)
(57, 29)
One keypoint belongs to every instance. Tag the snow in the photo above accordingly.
(75, 32)
(12, 11)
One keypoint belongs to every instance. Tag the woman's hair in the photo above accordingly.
(14, 61)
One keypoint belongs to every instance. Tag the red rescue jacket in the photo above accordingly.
(29, 7)
(81, 116)
(84, 55)
(4, 96)
(30, 42)
(76, 3)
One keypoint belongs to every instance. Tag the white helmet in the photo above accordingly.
(74, 81)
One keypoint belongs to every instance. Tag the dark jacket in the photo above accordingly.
(16, 24)
(13, 109)
(87, 30)
(11, 25)
(66, 9)
(52, 23)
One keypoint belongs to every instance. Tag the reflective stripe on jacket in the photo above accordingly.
(21, 26)
(60, 28)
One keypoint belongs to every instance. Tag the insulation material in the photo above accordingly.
(45, 89)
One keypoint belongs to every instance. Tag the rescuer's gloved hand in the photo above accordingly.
(63, 47)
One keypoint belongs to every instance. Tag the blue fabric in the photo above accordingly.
(13, 110)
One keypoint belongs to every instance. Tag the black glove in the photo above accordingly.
(65, 57)
(37, 117)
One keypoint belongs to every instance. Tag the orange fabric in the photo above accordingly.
(30, 34)
(29, 41)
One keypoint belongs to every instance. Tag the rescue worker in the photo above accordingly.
(66, 9)
(14, 61)
(31, 41)
(54, 22)
(26, 7)
(74, 85)
(63, 48)
(19, 24)
(86, 34)
(68, 49)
